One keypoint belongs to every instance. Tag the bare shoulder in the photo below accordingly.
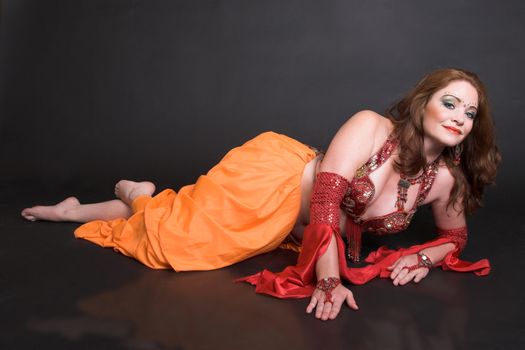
(370, 128)
(368, 117)
(355, 142)
(368, 123)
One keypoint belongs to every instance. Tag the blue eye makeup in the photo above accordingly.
(471, 115)
(448, 103)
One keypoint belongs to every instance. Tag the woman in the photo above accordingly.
(436, 146)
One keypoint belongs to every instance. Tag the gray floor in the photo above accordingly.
(57, 292)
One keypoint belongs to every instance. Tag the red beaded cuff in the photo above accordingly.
(329, 190)
(456, 235)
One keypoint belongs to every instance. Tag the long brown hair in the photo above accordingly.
(480, 157)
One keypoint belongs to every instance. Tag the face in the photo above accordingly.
(450, 113)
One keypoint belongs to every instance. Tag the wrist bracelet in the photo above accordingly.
(422, 261)
(327, 285)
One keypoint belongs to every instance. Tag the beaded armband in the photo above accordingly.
(456, 235)
(329, 190)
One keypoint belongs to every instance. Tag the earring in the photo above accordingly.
(457, 154)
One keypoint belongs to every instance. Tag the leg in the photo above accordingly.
(70, 209)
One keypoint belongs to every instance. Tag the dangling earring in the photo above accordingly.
(457, 154)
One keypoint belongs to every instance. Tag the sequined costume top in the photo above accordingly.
(362, 190)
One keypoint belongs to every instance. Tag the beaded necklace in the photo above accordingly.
(405, 182)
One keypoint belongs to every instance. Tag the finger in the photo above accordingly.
(409, 277)
(393, 266)
(351, 301)
(326, 310)
(400, 276)
(312, 304)
(397, 270)
(418, 278)
(319, 310)
(420, 275)
(336, 307)
(398, 267)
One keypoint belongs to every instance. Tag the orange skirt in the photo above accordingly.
(244, 206)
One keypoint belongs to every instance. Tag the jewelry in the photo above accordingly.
(405, 182)
(328, 192)
(457, 235)
(327, 285)
(422, 261)
(402, 188)
(458, 149)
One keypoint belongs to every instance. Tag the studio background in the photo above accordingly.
(95, 91)
(99, 90)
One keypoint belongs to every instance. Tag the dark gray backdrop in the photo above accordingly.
(94, 91)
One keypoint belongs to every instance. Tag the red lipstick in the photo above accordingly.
(453, 130)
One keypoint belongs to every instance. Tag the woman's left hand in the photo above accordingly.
(401, 275)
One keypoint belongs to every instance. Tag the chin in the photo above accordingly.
(447, 140)
(450, 140)
(451, 143)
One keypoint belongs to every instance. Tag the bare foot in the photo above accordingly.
(127, 190)
(50, 212)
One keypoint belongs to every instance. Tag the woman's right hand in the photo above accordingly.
(327, 310)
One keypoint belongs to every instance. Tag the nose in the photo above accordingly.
(459, 118)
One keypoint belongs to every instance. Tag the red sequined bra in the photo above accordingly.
(361, 191)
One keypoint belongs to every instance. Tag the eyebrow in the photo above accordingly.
(459, 100)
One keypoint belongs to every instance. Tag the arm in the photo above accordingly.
(451, 222)
(350, 148)
(450, 218)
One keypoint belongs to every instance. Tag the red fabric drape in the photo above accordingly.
(299, 281)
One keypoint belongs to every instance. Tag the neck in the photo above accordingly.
(432, 149)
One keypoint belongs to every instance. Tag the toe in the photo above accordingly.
(26, 215)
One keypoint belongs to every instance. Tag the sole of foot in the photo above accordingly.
(127, 190)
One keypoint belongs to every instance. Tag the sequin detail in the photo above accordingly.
(329, 189)
(456, 235)
(362, 190)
